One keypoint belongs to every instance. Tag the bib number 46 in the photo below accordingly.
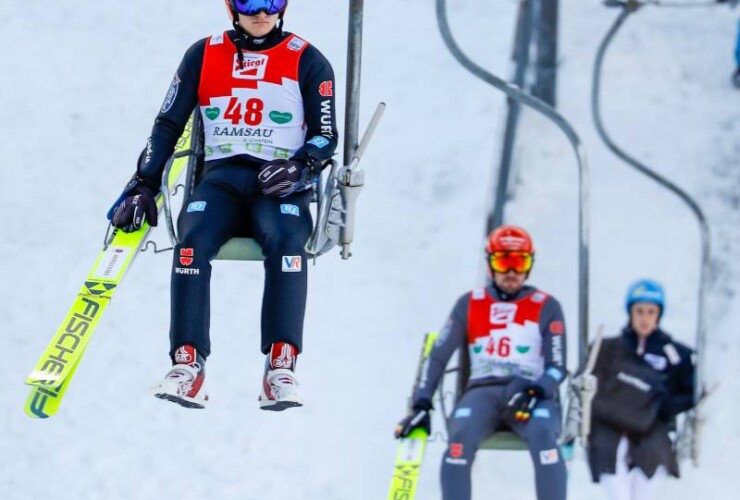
(252, 111)
(502, 347)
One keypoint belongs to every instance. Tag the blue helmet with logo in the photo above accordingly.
(645, 291)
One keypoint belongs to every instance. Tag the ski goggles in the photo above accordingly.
(521, 262)
(254, 7)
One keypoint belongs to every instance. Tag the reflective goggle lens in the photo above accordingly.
(253, 7)
(521, 262)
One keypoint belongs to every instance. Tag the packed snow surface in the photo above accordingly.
(80, 86)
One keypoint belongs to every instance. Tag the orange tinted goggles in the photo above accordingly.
(521, 262)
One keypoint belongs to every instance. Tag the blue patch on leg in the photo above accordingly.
(289, 209)
(197, 206)
(541, 413)
(463, 413)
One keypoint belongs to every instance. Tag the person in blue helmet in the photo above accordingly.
(645, 379)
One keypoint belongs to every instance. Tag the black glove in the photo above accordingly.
(281, 177)
(520, 405)
(420, 417)
(134, 207)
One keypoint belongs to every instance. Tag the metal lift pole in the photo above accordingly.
(354, 66)
(522, 41)
(536, 104)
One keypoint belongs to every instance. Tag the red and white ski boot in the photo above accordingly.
(280, 389)
(183, 384)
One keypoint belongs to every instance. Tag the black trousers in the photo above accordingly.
(227, 202)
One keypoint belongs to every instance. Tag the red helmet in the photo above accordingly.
(509, 248)
(509, 239)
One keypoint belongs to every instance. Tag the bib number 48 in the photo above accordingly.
(252, 111)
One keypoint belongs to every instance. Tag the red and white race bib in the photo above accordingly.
(504, 338)
(256, 108)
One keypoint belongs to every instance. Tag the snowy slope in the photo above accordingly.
(81, 84)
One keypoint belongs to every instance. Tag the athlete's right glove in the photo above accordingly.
(281, 178)
(520, 405)
(135, 206)
(420, 417)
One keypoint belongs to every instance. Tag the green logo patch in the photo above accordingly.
(282, 153)
(522, 349)
(477, 348)
(212, 113)
(280, 118)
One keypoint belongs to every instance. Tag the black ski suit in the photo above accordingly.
(479, 412)
(227, 201)
(638, 397)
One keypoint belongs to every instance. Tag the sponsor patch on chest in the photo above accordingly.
(502, 313)
(296, 44)
(253, 68)
(658, 363)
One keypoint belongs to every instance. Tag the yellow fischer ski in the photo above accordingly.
(410, 450)
(54, 370)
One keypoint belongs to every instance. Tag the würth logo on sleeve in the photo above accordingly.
(557, 327)
(186, 256)
(253, 69)
(326, 89)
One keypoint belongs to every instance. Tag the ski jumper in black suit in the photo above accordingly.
(275, 100)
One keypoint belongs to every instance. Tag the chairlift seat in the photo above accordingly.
(240, 249)
(504, 440)
(237, 248)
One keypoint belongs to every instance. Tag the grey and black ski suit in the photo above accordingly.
(514, 342)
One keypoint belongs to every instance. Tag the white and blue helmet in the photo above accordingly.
(645, 290)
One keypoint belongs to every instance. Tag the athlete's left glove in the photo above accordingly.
(135, 206)
(419, 417)
(281, 178)
(520, 405)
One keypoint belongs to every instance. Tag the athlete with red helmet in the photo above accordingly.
(515, 335)
(266, 98)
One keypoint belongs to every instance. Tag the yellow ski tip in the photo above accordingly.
(41, 403)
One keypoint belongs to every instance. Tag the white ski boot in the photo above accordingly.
(183, 384)
(280, 388)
